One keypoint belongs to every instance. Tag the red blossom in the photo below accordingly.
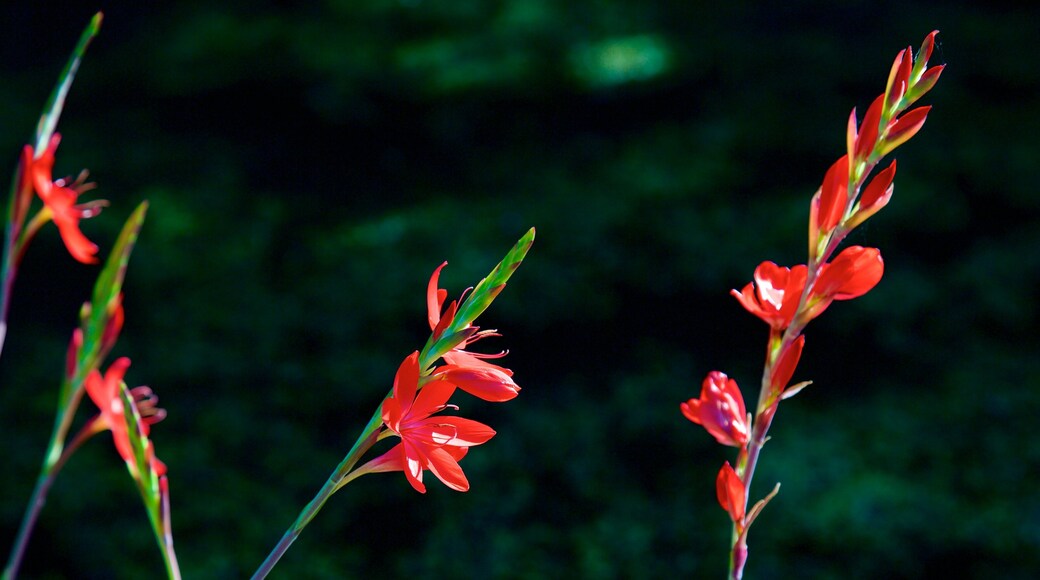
(427, 443)
(852, 274)
(470, 371)
(59, 197)
(106, 394)
(774, 294)
(730, 490)
(720, 410)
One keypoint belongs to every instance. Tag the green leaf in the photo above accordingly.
(52, 111)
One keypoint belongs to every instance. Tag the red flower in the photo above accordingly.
(468, 370)
(433, 443)
(730, 490)
(720, 410)
(106, 394)
(487, 381)
(774, 294)
(852, 274)
(59, 197)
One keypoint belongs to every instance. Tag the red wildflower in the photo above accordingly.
(774, 294)
(720, 410)
(468, 370)
(852, 274)
(433, 443)
(730, 490)
(59, 198)
(106, 394)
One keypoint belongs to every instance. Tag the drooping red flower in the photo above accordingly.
(106, 394)
(730, 490)
(720, 410)
(59, 198)
(427, 442)
(774, 294)
(470, 371)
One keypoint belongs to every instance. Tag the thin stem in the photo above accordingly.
(32, 512)
(57, 455)
(368, 438)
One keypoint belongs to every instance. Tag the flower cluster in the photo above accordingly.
(788, 298)
(437, 442)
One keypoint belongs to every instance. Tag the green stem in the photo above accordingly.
(365, 442)
(55, 459)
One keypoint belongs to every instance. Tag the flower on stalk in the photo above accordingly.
(852, 274)
(785, 365)
(720, 410)
(427, 442)
(874, 197)
(59, 199)
(468, 370)
(106, 392)
(774, 294)
(730, 490)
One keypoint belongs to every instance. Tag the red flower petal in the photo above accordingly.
(435, 298)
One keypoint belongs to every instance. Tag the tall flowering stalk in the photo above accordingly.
(788, 298)
(428, 441)
(127, 413)
(59, 196)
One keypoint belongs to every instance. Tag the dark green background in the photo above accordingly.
(308, 165)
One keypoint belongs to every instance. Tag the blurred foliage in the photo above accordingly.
(308, 164)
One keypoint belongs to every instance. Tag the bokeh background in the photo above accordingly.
(309, 164)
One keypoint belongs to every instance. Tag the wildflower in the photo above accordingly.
(433, 443)
(852, 274)
(468, 370)
(720, 410)
(106, 394)
(59, 199)
(774, 294)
